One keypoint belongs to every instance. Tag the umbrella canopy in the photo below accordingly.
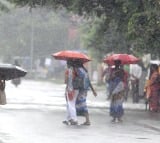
(9, 71)
(124, 58)
(69, 55)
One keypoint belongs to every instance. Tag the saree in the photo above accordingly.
(117, 95)
(81, 105)
(154, 89)
(116, 105)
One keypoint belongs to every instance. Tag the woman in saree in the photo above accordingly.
(117, 92)
(153, 89)
(81, 105)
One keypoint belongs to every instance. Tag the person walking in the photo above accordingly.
(135, 75)
(117, 92)
(81, 105)
(2, 92)
(153, 88)
(70, 95)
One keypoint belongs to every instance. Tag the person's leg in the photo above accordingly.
(72, 109)
(83, 107)
(120, 110)
(114, 119)
(137, 91)
(68, 117)
(120, 119)
(71, 117)
(126, 92)
(134, 92)
(87, 122)
(107, 90)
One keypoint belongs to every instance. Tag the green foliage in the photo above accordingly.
(119, 26)
(143, 28)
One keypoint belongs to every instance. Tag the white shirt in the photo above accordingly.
(135, 70)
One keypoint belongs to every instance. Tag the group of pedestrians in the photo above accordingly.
(77, 84)
(117, 84)
(151, 87)
(118, 80)
(117, 89)
(76, 97)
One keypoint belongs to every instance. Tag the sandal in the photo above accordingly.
(120, 120)
(86, 123)
(65, 122)
(73, 122)
(113, 120)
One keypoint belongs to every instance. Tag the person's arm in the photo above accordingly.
(103, 73)
(66, 77)
(133, 76)
(94, 92)
(4, 84)
(90, 84)
(139, 72)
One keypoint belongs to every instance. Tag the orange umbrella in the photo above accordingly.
(124, 58)
(71, 55)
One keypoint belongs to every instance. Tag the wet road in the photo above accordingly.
(34, 114)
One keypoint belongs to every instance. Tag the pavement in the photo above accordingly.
(101, 101)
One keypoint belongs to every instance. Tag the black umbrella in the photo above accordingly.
(9, 71)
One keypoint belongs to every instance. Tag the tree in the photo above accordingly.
(143, 28)
(50, 32)
(136, 21)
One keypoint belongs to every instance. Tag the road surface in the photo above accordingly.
(35, 112)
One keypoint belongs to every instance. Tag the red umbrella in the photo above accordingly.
(67, 55)
(124, 58)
